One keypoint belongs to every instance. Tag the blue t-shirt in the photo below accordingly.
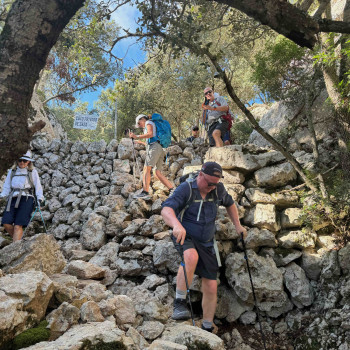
(202, 229)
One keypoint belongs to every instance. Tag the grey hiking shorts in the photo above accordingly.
(155, 156)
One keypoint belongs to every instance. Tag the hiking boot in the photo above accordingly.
(210, 330)
(143, 194)
(181, 311)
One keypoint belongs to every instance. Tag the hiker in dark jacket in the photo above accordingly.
(21, 186)
(193, 227)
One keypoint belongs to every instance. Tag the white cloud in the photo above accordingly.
(126, 17)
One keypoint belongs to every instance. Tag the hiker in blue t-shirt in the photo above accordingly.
(154, 154)
(193, 227)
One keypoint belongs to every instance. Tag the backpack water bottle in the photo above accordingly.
(163, 130)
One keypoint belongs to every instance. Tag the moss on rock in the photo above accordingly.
(32, 336)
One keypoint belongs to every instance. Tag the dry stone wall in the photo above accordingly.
(113, 260)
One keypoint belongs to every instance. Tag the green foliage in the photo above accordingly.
(115, 345)
(281, 69)
(336, 53)
(31, 336)
(240, 131)
(198, 345)
(104, 129)
(80, 60)
(330, 214)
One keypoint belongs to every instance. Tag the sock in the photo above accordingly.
(207, 324)
(145, 191)
(181, 294)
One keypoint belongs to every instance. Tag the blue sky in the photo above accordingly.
(127, 49)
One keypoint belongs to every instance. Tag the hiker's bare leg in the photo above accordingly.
(191, 259)
(217, 138)
(9, 229)
(18, 233)
(146, 178)
(163, 179)
(209, 290)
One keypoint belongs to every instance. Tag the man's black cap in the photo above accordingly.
(195, 128)
(212, 169)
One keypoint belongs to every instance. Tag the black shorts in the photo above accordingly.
(207, 265)
(223, 127)
(21, 215)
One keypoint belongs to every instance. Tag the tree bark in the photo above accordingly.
(31, 29)
(288, 20)
(282, 17)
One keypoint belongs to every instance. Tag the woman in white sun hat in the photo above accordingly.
(154, 154)
(23, 190)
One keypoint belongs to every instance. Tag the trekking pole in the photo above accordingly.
(254, 296)
(181, 252)
(136, 161)
(42, 218)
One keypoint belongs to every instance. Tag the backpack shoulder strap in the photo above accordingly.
(189, 200)
(30, 178)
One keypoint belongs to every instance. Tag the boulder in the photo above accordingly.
(40, 252)
(63, 318)
(184, 334)
(275, 176)
(298, 285)
(297, 239)
(78, 335)
(93, 235)
(268, 280)
(263, 216)
(85, 270)
(24, 298)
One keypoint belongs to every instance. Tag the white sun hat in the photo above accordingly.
(27, 156)
(140, 116)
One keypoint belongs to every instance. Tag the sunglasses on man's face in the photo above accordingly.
(208, 92)
(210, 184)
(23, 161)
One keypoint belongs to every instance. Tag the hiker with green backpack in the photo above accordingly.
(22, 189)
(191, 212)
(157, 133)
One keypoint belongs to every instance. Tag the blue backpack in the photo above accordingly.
(163, 130)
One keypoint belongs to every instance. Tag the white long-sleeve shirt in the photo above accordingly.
(22, 182)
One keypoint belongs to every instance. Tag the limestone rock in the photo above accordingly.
(281, 199)
(183, 334)
(297, 239)
(85, 270)
(263, 216)
(268, 280)
(151, 329)
(291, 217)
(93, 233)
(62, 318)
(90, 312)
(73, 339)
(281, 256)
(298, 285)
(24, 298)
(275, 176)
(40, 252)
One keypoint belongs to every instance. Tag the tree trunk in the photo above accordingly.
(282, 17)
(31, 29)
(289, 20)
